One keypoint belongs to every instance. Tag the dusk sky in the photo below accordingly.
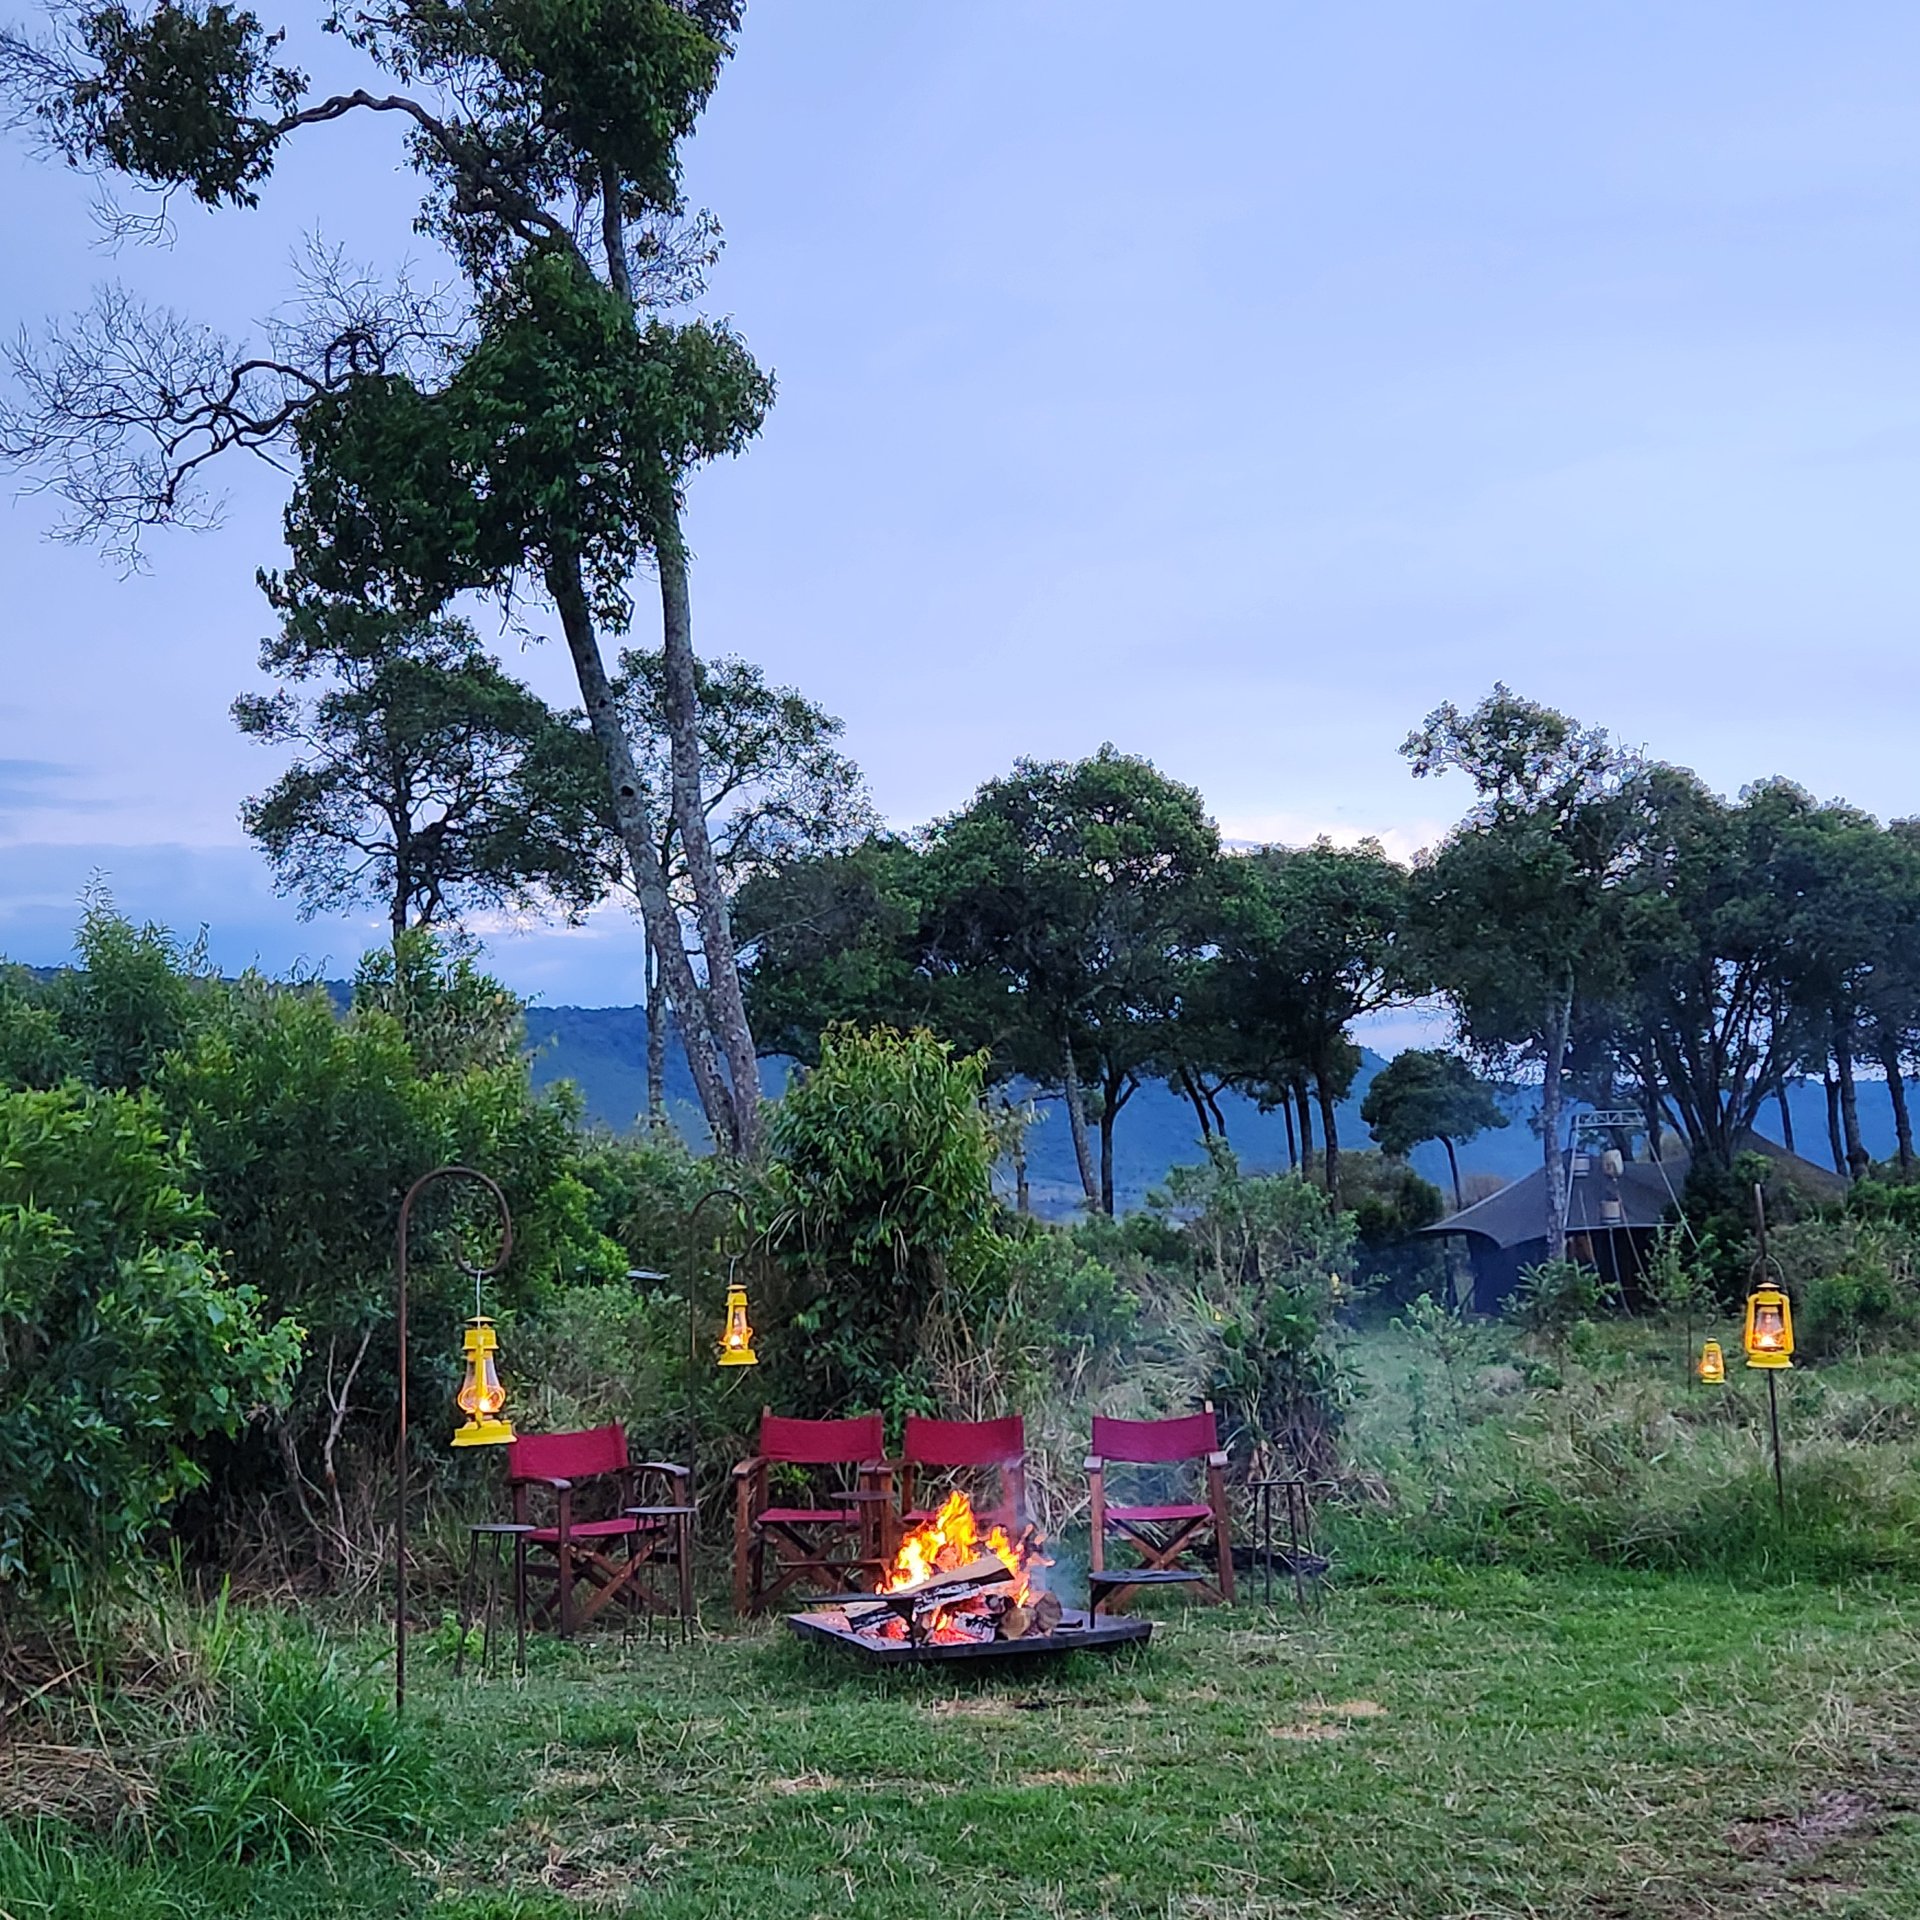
(1233, 384)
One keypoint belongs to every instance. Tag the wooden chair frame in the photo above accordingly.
(829, 1549)
(604, 1554)
(1167, 1541)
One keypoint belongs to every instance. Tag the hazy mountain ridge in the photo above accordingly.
(603, 1051)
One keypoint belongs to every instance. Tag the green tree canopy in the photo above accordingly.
(1424, 1095)
(428, 780)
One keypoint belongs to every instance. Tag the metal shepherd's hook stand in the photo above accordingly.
(1773, 1387)
(497, 1265)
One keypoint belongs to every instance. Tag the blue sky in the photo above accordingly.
(1230, 383)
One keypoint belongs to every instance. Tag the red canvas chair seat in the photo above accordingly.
(831, 1546)
(581, 1551)
(588, 1530)
(1199, 1511)
(973, 1447)
(1166, 1536)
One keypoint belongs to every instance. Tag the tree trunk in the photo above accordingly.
(1453, 1164)
(1077, 1123)
(1304, 1106)
(656, 1041)
(1559, 1022)
(1293, 1145)
(1116, 1089)
(1329, 1140)
(726, 1006)
(1834, 1143)
(1650, 1099)
(636, 833)
(1897, 1093)
(1849, 1101)
(1786, 1111)
(1213, 1107)
(1185, 1081)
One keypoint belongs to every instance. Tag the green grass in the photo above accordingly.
(1481, 1724)
(1448, 1745)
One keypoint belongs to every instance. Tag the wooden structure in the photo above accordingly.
(1170, 1537)
(828, 1546)
(596, 1546)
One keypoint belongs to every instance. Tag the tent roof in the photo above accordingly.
(1648, 1188)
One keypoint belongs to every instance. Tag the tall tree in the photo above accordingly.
(1070, 896)
(428, 780)
(776, 789)
(1423, 1094)
(1312, 940)
(1516, 911)
(537, 436)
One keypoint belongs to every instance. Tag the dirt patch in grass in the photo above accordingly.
(1834, 1815)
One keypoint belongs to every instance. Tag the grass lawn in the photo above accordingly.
(1474, 1744)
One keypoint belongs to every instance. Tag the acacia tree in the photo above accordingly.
(1065, 903)
(1427, 1094)
(429, 780)
(1515, 912)
(536, 435)
(776, 789)
(1311, 941)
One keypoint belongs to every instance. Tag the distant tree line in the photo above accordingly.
(1598, 922)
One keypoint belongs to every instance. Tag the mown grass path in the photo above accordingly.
(1466, 1745)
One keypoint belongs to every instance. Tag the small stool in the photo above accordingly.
(679, 1524)
(498, 1533)
(1303, 1563)
(1102, 1586)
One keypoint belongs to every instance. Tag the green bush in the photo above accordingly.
(883, 1160)
(123, 1346)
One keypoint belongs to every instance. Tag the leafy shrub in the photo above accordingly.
(1553, 1298)
(1258, 1325)
(122, 1344)
(883, 1165)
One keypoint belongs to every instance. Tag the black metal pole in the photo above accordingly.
(693, 1329)
(1773, 1412)
(497, 1265)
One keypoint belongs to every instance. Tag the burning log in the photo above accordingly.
(936, 1591)
(1040, 1616)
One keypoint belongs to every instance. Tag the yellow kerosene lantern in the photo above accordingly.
(1769, 1335)
(736, 1343)
(481, 1396)
(1713, 1365)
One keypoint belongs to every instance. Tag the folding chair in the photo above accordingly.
(997, 1446)
(596, 1548)
(827, 1547)
(1173, 1537)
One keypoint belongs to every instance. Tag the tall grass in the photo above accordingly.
(1612, 1457)
(190, 1744)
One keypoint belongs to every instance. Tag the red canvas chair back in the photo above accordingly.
(568, 1456)
(823, 1443)
(1190, 1436)
(965, 1443)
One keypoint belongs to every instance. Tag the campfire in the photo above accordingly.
(948, 1586)
(955, 1591)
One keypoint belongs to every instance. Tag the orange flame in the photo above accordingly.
(952, 1539)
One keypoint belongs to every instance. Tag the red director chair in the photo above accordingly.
(829, 1545)
(1173, 1538)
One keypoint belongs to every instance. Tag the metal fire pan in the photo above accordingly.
(1075, 1634)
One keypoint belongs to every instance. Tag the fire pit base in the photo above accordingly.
(1076, 1633)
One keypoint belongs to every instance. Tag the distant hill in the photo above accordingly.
(603, 1051)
